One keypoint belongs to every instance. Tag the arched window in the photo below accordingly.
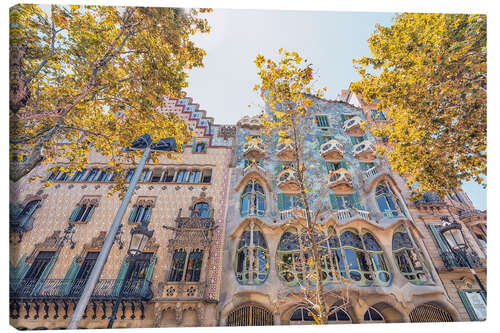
(300, 316)
(290, 258)
(250, 315)
(428, 313)
(27, 213)
(377, 257)
(202, 208)
(253, 200)
(252, 257)
(359, 269)
(407, 257)
(337, 314)
(387, 201)
(372, 315)
(334, 255)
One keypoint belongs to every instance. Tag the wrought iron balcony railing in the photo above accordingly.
(452, 260)
(105, 289)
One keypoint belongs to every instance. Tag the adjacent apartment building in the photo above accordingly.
(227, 246)
(58, 231)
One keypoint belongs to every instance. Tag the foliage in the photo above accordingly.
(287, 88)
(91, 78)
(432, 82)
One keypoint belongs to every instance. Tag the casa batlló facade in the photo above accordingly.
(227, 247)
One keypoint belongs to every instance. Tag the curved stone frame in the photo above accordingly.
(372, 252)
(358, 251)
(371, 320)
(201, 198)
(410, 257)
(95, 245)
(251, 226)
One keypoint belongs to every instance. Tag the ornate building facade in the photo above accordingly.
(227, 247)
(390, 251)
(58, 231)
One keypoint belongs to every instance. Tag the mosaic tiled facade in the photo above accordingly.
(225, 221)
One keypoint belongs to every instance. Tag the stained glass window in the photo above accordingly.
(407, 257)
(378, 261)
(386, 200)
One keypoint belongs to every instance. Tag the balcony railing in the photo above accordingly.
(345, 215)
(105, 289)
(452, 260)
(292, 213)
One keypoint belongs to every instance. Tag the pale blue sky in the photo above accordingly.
(329, 40)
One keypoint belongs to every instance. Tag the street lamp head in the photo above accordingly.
(166, 144)
(139, 237)
(453, 235)
(141, 142)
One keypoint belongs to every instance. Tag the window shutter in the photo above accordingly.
(343, 164)
(467, 305)
(329, 167)
(343, 118)
(441, 243)
(120, 278)
(131, 217)
(333, 201)
(147, 214)
(89, 215)
(281, 201)
(44, 275)
(354, 141)
(72, 217)
(69, 278)
(146, 290)
(193, 147)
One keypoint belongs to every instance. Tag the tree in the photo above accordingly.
(287, 91)
(431, 79)
(91, 77)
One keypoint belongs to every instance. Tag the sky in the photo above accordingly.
(327, 39)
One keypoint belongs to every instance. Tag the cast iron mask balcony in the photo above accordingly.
(352, 126)
(288, 182)
(365, 151)
(340, 181)
(285, 151)
(254, 150)
(250, 122)
(332, 151)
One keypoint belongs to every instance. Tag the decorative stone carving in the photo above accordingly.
(145, 201)
(365, 151)
(332, 151)
(340, 181)
(227, 132)
(95, 244)
(151, 245)
(352, 126)
(178, 313)
(90, 201)
(50, 243)
(288, 182)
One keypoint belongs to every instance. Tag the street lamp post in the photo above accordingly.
(454, 237)
(142, 143)
(139, 236)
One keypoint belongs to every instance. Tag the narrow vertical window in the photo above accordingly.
(253, 200)
(193, 269)
(177, 267)
(252, 257)
(407, 257)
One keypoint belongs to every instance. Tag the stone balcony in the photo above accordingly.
(332, 151)
(288, 181)
(292, 214)
(340, 181)
(285, 151)
(254, 150)
(352, 126)
(365, 151)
